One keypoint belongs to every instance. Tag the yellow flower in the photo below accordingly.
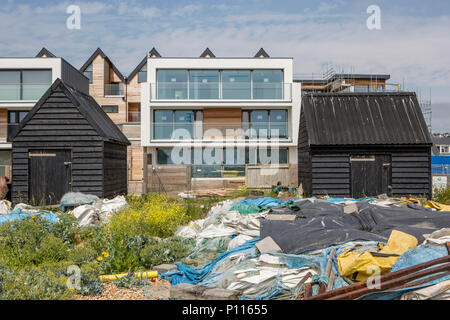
(73, 213)
(91, 234)
(100, 258)
(105, 254)
(33, 217)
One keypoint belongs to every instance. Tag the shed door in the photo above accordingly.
(49, 175)
(370, 175)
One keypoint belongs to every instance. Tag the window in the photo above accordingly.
(444, 149)
(24, 84)
(88, 73)
(204, 84)
(111, 108)
(172, 84)
(265, 123)
(236, 84)
(167, 121)
(5, 161)
(10, 85)
(142, 74)
(219, 84)
(266, 156)
(14, 118)
(267, 84)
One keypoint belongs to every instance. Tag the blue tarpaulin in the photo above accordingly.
(203, 275)
(20, 214)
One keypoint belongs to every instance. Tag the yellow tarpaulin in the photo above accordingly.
(437, 206)
(359, 266)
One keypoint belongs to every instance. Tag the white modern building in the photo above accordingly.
(212, 122)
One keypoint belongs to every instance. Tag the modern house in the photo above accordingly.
(22, 83)
(120, 98)
(212, 122)
(67, 143)
(364, 144)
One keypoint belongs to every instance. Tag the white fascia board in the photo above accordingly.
(33, 63)
(220, 63)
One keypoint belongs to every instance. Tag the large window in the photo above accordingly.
(5, 161)
(220, 84)
(24, 84)
(203, 84)
(267, 84)
(236, 84)
(270, 124)
(165, 122)
(172, 84)
(444, 149)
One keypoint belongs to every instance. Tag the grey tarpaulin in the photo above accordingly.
(322, 224)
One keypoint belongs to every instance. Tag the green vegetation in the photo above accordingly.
(35, 254)
(442, 195)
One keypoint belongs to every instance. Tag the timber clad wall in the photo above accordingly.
(377, 143)
(115, 169)
(59, 121)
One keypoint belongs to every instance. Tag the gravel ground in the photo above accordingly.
(157, 289)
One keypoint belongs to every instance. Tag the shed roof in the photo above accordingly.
(364, 119)
(87, 106)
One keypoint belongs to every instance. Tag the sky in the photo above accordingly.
(412, 44)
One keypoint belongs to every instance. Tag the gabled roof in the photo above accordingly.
(207, 53)
(137, 69)
(104, 56)
(87, 106)
(154, 52)
(262, 53)
(45, 52)
(364, 119)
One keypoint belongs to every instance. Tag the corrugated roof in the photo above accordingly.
(364, 119)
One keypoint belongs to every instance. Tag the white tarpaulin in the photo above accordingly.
(100, 211)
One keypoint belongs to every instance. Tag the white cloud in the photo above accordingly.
(186, 10)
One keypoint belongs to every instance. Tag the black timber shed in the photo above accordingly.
(363, 144)
(67, 143)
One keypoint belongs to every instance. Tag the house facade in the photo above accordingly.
(209, 122)
(22, 83)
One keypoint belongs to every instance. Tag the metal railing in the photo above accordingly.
(198, 130)
(114, 89)
(21, 91)
(220, 91)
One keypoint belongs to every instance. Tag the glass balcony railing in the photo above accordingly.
(114, 89)
(13, 92)
(219, 131)
(220, 91)
(217, 171)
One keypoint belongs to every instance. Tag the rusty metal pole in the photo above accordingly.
(386, 277)
(391, 283)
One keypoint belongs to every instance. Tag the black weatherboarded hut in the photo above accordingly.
(67, 143)
(364, 144)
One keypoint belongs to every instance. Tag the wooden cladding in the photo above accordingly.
(216, 121)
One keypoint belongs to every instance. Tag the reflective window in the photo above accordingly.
(142, 74)
(267, 84)
(35, 83)
(10, 88)
(203, 84)
(111, 108)
(236, 84)
(172, 84)
(88, 73)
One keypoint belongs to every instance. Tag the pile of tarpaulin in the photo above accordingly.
(88, 209)
(266, 248)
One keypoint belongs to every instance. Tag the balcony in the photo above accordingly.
(27, 92)
(230, 91)
(176, 131)
(114, 89)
